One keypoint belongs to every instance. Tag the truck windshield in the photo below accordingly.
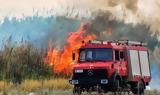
(95, 54)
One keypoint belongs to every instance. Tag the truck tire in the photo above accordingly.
(117, 86)
(77, 90)
(139, 90)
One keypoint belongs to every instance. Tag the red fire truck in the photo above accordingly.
(111, 66)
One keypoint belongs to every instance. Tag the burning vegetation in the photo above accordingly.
(61, 60)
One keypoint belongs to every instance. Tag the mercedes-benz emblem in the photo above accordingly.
(90, 72)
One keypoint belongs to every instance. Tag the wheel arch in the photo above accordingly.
(116, 76)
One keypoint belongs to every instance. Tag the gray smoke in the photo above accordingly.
(58, 34)
(106, 28)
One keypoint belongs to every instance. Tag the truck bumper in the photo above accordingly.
(89, 81)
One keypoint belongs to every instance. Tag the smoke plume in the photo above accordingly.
(144, 12)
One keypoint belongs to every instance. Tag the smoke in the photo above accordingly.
(110, 29)
(60, 30)
(145, 12)
(130, 12)
(138, 15)
(156, 54)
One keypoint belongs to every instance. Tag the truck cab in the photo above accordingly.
(111, 66)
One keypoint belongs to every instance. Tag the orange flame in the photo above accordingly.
(61, 61)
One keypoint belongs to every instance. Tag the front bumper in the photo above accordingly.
(88, 81)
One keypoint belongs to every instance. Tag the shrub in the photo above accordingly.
(23, 62)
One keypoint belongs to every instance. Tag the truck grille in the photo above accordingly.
(91, 73)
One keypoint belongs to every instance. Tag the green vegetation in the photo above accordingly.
(23, 62)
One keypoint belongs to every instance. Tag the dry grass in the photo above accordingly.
(5, 85)
(32, 85)
(60, 83)
(59, 86)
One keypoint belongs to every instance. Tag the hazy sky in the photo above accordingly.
(20, 8)
(132, 11)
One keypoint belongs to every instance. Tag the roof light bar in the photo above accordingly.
(130, 42)
(125, 42)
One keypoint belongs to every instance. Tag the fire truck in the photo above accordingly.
(114, 66)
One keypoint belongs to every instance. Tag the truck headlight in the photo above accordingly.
(73, 82)
(104, 81)
(78, 71)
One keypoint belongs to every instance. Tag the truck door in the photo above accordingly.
(119, 61)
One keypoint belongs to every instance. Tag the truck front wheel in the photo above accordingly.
(117, 85)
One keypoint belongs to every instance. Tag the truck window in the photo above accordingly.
(117, 58)
(103, 55)
(95, 54)
(82, 55)
(121, 55)
(89, 55)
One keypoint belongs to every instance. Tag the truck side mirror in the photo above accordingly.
(73, 56)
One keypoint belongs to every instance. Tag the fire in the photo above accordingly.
(61, 61)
